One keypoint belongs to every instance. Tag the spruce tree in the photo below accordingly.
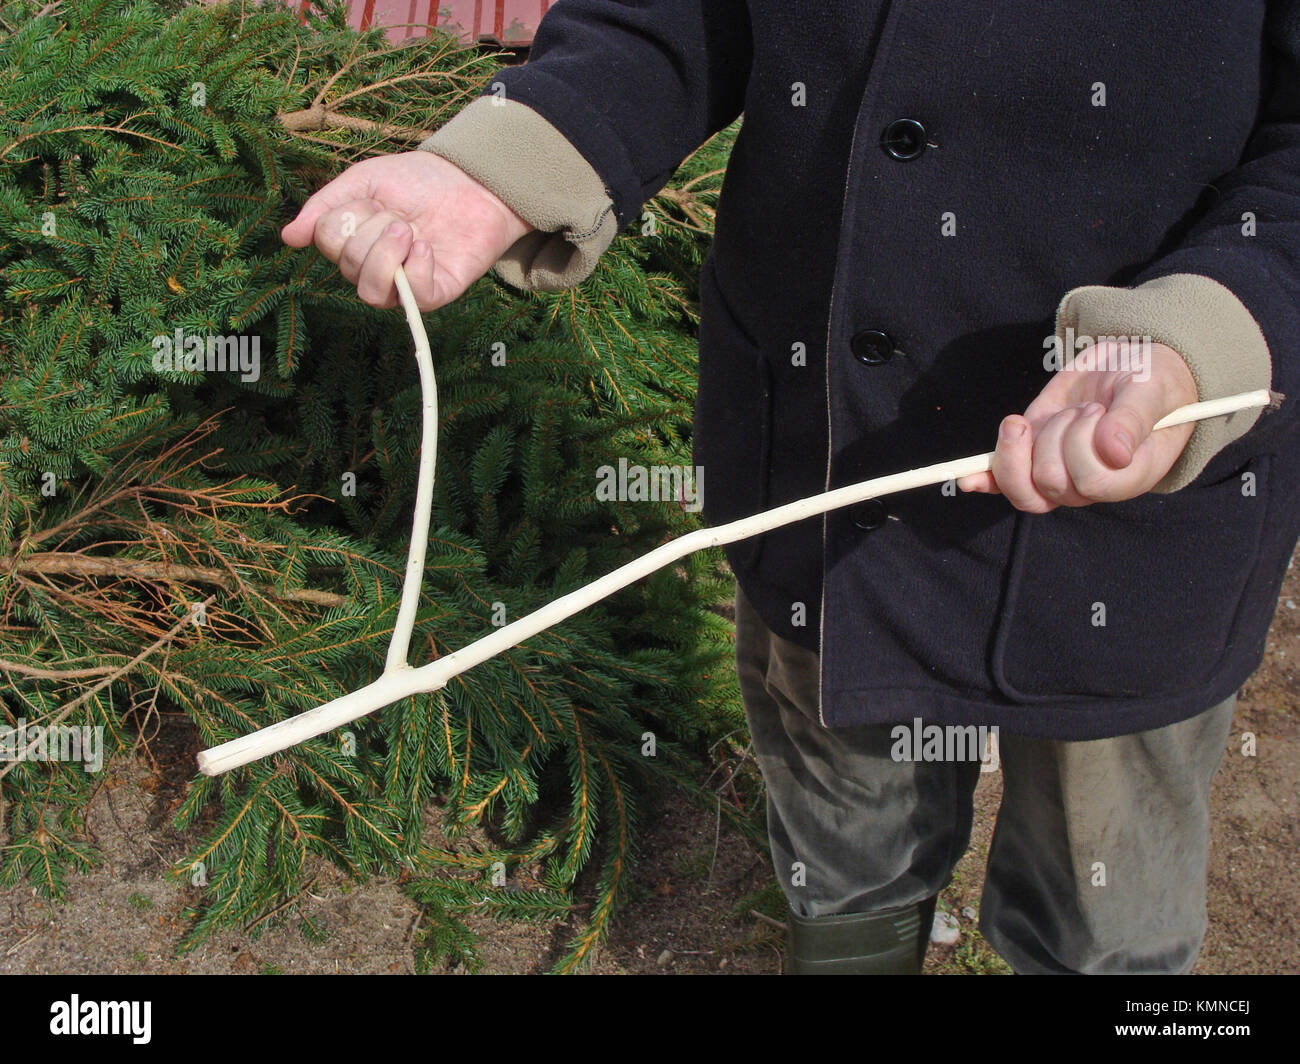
(226, 548)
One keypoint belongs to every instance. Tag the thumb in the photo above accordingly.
(1134, 410)
(351, 185)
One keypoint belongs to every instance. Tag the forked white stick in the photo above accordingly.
(400, 644)
(399, 680)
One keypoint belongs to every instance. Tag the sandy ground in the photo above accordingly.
(697, 886)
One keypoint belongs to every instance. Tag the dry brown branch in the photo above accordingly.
(54, 562)
(319, 117)
(37, 673)
(700, 215)
(86, 696)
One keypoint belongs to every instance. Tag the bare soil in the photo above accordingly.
(702, 900)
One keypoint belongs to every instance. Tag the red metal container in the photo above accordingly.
(506, 22)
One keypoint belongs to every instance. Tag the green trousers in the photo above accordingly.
(1098, 859)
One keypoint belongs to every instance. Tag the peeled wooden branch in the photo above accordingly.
(399, 680)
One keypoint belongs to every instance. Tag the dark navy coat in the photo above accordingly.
(866, 124)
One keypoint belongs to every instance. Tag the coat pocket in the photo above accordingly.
(733, 418)
(1136, 599)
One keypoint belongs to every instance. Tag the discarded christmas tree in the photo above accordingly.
(184, 541)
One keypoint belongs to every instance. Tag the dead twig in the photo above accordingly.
(57, 562)
(281, 907)
(319, 117)
(784, 928)
(53, 674)
(157, 645)
(26, 939)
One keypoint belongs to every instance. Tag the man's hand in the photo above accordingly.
(414, 210)
(1087, 437)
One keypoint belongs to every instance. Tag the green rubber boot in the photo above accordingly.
(888, 942)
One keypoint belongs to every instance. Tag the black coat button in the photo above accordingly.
(904, 138)
(872, 347)
(869, 515)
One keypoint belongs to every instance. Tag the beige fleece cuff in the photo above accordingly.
(1205, 323)
(530, 166)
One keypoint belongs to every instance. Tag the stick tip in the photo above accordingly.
(1275, 400)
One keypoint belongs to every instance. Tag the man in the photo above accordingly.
(916, 189)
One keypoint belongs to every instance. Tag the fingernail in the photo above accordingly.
(398, 228)
(1011, 431)
(1093, 409)
(420, 249)
(1126, 440)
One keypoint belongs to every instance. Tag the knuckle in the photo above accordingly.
(1093, 486)
(1052, 481)
(353, 254)
(1130, 419)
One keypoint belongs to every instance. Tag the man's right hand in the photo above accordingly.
(414, 210)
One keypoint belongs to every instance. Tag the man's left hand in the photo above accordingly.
(1087, 437)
